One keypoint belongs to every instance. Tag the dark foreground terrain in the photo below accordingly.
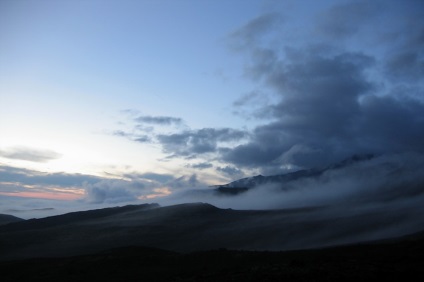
(197, 227)
(401, 260)
(199, 242)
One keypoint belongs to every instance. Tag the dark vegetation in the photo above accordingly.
(399, 260)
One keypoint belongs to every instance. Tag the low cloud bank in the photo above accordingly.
(385, 185)
(387, 190)
(374, 199)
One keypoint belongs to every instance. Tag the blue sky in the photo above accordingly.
(132, 100)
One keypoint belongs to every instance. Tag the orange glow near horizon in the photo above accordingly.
(44, 195)
(159, 192)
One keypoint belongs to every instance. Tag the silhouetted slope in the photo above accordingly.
(401, 260)
(194, 227)
(5, 219)
(80, 216)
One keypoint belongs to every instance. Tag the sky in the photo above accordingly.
(111, 102)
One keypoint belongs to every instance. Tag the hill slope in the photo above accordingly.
(5, 219)
(195, 227)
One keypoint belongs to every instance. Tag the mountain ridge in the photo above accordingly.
(244, 184)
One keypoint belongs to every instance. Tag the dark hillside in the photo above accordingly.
(6, 219)
(200, 227)
(400, 260)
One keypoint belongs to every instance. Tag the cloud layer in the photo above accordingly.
(29, 154)
(85, 190)
(335, 96)
(350, 80)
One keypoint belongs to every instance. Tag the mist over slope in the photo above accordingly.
(282, 179)
(385, 181)
(362, 200)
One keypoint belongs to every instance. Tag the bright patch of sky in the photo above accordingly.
(68, 68)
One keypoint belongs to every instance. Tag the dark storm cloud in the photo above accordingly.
(196, 142)
(319, 102)
(29, 154)
(159, 120)
(407, 60)
(230, 171)
(350, 80)
(344, 20)
(334, 102)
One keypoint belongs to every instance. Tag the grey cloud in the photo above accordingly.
(404, 42)
(392, 124)
(406, 62)
(247, 98)
(193, 181)
(141, 138)
(30, 154)
(377, 183)
(203, 165)
(196, 142)
(230, 171)
(143, 131)
(32, 177)
(156, 177)
(159, 120)
(120, 133)
(321, 101)
(185, 182)
(253, 154)
(254, 30)
(330, 103)
(344, 20)
(143, 128)
(111, 191)
(262, 61)
(97, 189)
